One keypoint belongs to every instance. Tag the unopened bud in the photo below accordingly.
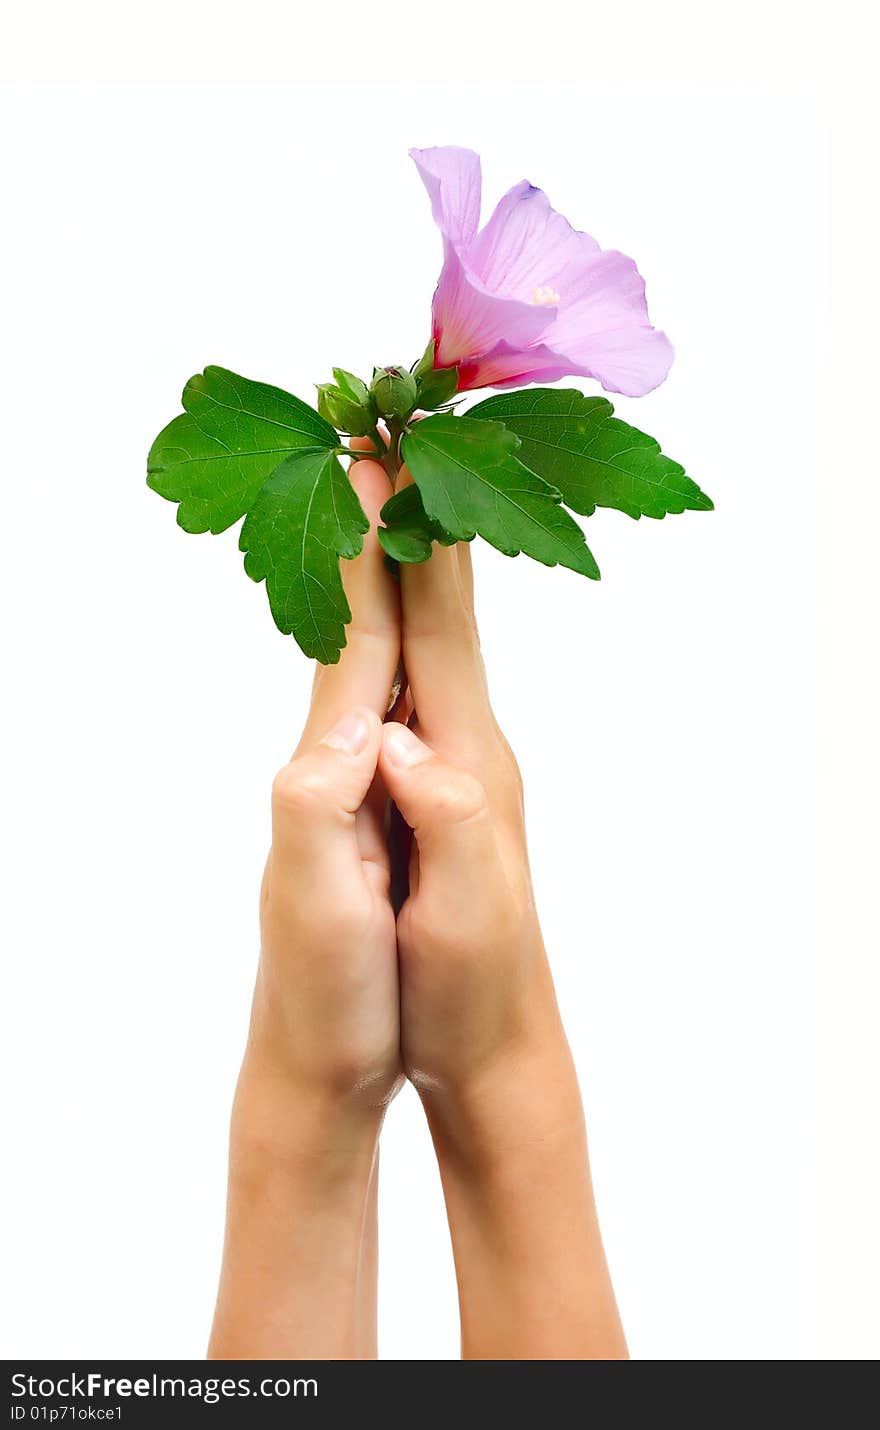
(347, 403)
(395, 391)
(435, 385)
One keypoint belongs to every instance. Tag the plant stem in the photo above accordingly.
(392, 456)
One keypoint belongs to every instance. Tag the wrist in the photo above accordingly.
(522, 1105)
(284, 1126)
(347, 1080)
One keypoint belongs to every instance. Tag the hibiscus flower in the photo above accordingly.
(527, 298)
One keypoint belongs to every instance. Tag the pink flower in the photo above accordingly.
(527, 297)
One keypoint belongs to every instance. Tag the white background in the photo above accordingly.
(205, 182)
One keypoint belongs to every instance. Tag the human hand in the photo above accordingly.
(476, 988)
(323, 1055)
(326, 1003)
(481, 1035)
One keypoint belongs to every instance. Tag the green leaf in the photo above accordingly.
(306, 516)
(247, 415)
(214, 458)
(592, 457)
(409, 533)
(471, 481)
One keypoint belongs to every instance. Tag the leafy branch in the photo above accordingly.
(505, 471)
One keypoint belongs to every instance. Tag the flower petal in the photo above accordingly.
(526, 245)
(602, 326)
(468, 320)
(453, 180)
(506, 366)
(631, 360)
(628, 361)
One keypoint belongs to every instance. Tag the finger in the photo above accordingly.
(365, 672)
(441, 651)
(448, 812)
(316, 797)
(441, 648)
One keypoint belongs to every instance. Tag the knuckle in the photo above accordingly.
(458, 797)
(298, 788)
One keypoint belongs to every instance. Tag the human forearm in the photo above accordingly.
(298, 1277)
(532, 1277)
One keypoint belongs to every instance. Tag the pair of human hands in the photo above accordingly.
(448, 985)
(352, 994)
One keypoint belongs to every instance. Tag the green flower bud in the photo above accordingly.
(437, 386)
(395, 391)
(347, 403)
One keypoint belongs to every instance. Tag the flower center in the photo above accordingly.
(544, 296)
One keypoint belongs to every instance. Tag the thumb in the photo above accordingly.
(316, 796)
(445, 807)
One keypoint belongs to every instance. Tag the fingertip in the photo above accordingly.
(372, 484)
(374, 725)
(401, 748)
(354, 731)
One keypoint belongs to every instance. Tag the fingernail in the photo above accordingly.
(350, 735)
(403, 747)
